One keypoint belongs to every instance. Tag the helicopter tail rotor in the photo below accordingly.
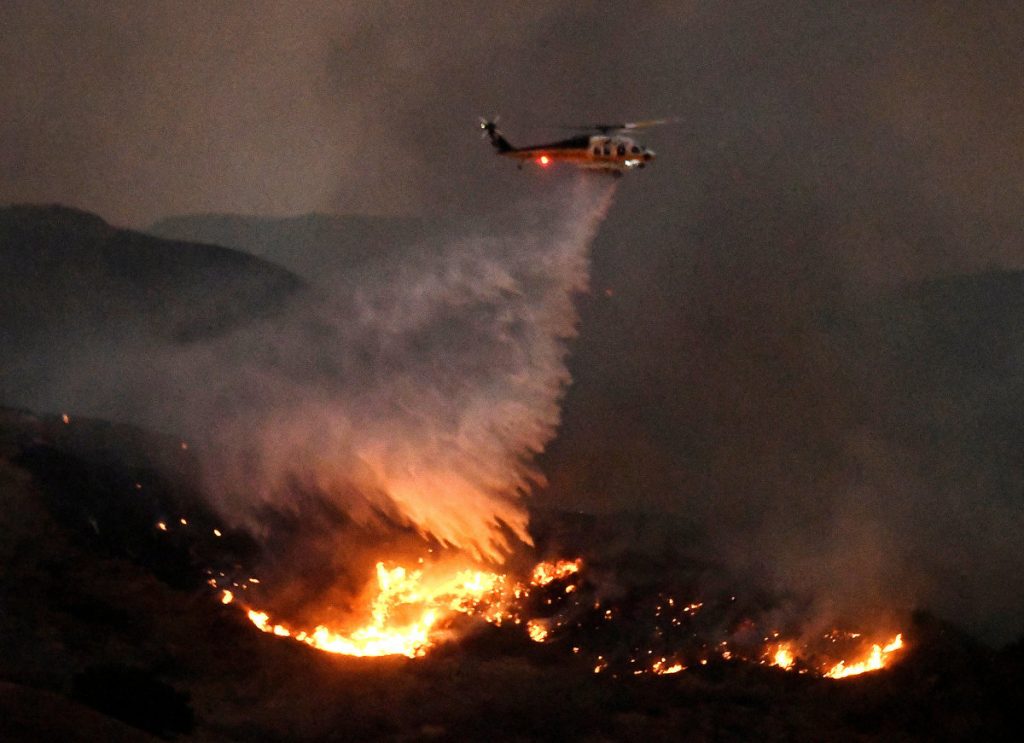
(489, 130)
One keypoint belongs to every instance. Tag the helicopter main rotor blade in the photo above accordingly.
(620, 127)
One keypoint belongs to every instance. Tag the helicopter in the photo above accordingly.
(602, 147)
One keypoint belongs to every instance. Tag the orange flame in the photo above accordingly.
(545, 572)
(410, 610)
(878, 658)
(783, 656)
(405, 614)
(662, 668)
(536, 630)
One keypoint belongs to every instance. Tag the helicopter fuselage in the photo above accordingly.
(605, 151)
(615, 153)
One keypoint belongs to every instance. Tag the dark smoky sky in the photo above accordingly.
(907, 114)
(825, 153)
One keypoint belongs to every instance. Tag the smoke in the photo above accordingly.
(428, 384)
(416, 387)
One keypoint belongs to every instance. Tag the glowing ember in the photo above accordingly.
(227, 597)
(546, 572)
(877, 659)
(536, 630)
(662, 669)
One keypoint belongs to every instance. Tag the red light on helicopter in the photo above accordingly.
(544, 160)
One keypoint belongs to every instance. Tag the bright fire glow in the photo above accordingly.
(878, 658)
(545, 572)
(408, 612)
(662, 668)
(536, 630)
(544, 160)
(783, 657)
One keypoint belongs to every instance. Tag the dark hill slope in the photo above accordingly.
(317, 247)
(66, 272)
(109, 322)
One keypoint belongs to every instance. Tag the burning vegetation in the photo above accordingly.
(411, 611)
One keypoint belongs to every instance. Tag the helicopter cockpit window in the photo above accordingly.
(635, 150)
(597, 150)
(622, 150)
(607, 151)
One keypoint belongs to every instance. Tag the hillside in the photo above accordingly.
(108, 618)
(314, 246)
(125, 325)
(67, 272)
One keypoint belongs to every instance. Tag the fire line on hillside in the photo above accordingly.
(410, 612)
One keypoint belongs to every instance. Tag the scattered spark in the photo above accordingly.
(66, 418)
(227, 597)
(161, 526)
